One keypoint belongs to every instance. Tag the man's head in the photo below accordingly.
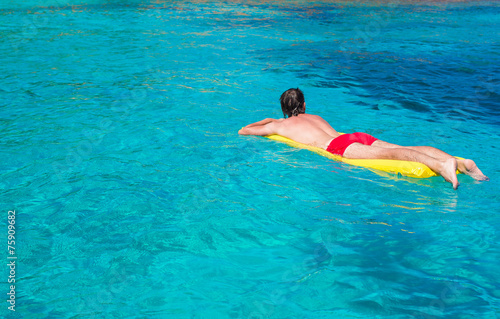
(292, 102)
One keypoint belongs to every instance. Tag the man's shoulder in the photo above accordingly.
(310, 118)
(315, 116)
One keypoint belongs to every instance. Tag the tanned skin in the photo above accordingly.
(315, 131)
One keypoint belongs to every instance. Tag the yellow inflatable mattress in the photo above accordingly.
(411, 169)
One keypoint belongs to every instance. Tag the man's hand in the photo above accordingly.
(261, 128)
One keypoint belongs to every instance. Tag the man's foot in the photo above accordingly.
(468, 167)
(449, 172)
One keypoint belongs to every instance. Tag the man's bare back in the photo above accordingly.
(307, 129)
(315, 131)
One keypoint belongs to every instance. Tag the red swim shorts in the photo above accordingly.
(339, 144)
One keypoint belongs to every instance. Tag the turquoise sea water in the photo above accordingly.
(136, 198)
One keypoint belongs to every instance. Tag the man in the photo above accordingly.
(315, 131)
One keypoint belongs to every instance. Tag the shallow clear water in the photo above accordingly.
(136, 197)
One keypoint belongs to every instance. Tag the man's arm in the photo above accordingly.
(261, 128)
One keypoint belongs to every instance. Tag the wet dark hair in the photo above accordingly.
(292, 102)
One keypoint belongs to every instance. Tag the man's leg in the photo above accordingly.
(428, 150)
(446, 168)
(466, 166)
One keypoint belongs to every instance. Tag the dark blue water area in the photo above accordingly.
(442, 60)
